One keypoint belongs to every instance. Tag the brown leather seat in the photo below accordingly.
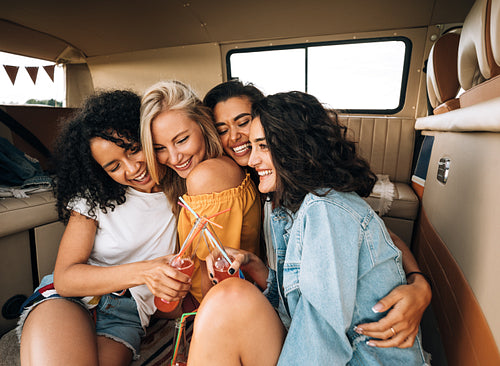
(442, 76)
(479, 54)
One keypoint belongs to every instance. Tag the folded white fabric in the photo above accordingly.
(384, 190)
(24, 191)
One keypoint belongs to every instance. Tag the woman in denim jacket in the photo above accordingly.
(335, 258)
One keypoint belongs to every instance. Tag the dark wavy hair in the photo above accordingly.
(111, 115)
(309, 149)
(231, 89)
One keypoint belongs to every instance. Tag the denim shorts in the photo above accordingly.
(116, 317)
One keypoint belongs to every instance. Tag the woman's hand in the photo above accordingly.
(400, 326)
(238, 257)
(244, 260)
(165, 281)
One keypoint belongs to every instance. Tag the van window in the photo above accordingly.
(19, 87)
(367, 75)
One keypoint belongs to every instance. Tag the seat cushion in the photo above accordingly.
(19, 214)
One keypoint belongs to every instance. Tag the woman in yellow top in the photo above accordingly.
(185, 156)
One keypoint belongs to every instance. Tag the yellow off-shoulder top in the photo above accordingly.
(240, 226)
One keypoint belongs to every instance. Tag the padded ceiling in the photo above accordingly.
(98, 28)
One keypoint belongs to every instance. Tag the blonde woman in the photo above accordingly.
(185, 156)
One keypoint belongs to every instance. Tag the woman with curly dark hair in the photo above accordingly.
(335, 258)
(113, 255)
(231, 104)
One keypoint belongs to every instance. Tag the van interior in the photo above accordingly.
(437, 145)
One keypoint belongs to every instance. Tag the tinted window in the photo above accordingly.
(357, 76)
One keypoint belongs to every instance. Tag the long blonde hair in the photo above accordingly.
(167, 96)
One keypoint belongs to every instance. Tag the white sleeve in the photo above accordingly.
(80, 205)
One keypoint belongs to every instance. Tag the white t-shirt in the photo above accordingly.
(142, 228)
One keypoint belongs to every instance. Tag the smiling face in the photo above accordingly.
(178, 141)
(261, 159)
(126, 167)
(232, 120)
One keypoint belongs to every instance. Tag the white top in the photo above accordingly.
(142, 228)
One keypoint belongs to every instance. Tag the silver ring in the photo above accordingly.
(393, 331)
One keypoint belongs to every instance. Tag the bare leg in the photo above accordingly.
(236, 325)
(112, 352)
(58, 332)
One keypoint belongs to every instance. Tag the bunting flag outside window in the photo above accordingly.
(49, 69)
(12, 72)
(31, 70)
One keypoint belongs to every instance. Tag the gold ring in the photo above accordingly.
(393, 331)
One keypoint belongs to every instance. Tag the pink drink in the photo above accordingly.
(221, 265)
(185, 265)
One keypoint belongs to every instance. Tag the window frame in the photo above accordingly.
(305, 46)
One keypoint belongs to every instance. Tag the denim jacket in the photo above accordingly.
(335, 260)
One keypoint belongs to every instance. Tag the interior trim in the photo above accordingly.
(465, 333)
(478, 117)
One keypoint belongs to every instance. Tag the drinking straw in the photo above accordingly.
(200, 225)
(216, 244)
(189, 208)
(221, 249)
(208, 233)
(190, 234)
(179, 333)
(198, 216)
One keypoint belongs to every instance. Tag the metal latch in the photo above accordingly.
(443, 168)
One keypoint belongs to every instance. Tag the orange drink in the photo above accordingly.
(185, 265)
(221, 265)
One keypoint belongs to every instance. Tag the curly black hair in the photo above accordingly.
(309, 149)
(111, 115)
(231, 89)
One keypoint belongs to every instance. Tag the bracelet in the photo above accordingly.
(427, 278)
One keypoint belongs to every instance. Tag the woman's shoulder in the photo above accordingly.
(214, 175)
(337, 203)
(222, 162)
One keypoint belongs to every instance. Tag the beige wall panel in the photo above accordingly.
(79, 84)
(466, 210)
(15, 271)
(47, 239)
(198, 66)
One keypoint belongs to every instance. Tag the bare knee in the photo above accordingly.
(232, 295)
(236, 316)
(232, 303)
(58, 330)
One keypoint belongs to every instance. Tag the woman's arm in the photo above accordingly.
(407, 304)
(409, 262)
(74, 277)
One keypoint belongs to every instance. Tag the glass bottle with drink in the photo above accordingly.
(221, 265)
(184, 262)
(180, 344)
(186, 266)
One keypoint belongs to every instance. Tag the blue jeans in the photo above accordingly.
(16, 168)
